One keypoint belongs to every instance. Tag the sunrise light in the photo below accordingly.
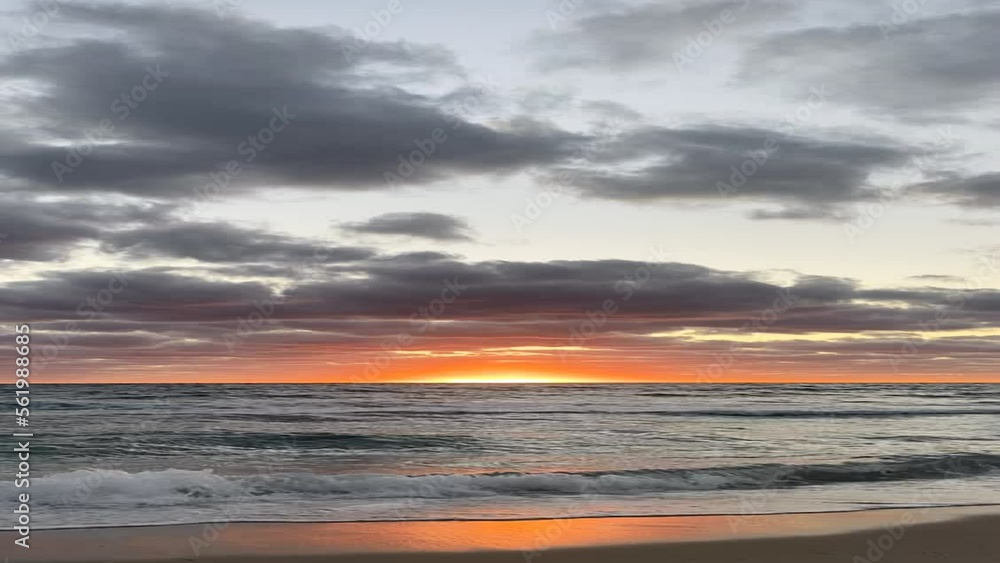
(504, 378)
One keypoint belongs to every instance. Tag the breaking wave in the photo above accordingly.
(89, 487)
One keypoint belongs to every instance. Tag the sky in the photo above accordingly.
(576, 191)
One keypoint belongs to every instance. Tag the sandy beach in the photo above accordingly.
(966, 535)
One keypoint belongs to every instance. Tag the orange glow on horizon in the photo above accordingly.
(510, 377)
(315, 366)
(502, 361)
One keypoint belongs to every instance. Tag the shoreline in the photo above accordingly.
(801, 537)
(549, 383)
(515, 519)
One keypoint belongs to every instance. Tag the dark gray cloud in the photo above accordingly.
(38, 237)
(213, 242)
(37, 229)
(979, 191)
(45, 230)
(630, 37)
(154, 316)
(920, 67)
(212, 87)
(146, 295)
(809, 175)
(434, 226)
(651, 296)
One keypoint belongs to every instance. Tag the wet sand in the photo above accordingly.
(916, 535)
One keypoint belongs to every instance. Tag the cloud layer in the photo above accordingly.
(433, 226)
(287, 106)
(137, 139)
(438, 307)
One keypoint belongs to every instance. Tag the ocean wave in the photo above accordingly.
(694, 413)
(375, 412)
(873, 413)
(169, 443)
(88, 487)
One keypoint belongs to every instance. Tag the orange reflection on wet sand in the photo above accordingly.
(524, 539)
(540, 535)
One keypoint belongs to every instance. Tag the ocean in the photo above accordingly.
(122, 455)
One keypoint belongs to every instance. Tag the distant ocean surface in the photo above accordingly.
(119, 455)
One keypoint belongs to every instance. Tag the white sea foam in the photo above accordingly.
(178, 486)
